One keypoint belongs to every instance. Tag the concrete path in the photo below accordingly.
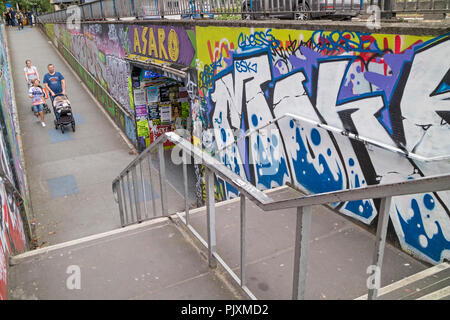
(160, 259)
(69, 174)
(153, 260)
(339, 253)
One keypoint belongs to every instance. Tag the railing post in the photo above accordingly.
(383, 219)
(162, 179)
(129, 197)
(161, 9)
(136, 194)
(243, 242)
(101, 10)
(122, 182)
(114, 8)
(144, 193)
(133, 12)
(210, 217)
(152, 185)
(92, 14)
(301, 251)
(186, 189)
(118, 191)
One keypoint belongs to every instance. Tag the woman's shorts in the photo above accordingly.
(38, 108)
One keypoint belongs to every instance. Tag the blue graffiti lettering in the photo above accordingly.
(258, 40)
(246, 66)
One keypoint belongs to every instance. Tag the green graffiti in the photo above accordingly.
(125, 40)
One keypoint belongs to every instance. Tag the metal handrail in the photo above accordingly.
(343, 132)
(251, 8)
(303, 204)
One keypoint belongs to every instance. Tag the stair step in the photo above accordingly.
(432, 283)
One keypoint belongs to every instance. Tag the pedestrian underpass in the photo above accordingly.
(69, 180)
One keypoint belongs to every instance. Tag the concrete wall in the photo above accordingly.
(392, 87)
(12, 218)
(89, 51)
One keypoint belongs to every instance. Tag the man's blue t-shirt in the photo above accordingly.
(54, 81)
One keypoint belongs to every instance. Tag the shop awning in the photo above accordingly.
(164, 68)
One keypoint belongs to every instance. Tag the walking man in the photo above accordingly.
(13, 17)
(55, 84)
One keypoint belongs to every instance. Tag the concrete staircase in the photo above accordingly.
(160, 259)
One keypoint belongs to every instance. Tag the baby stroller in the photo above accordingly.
(63, 112)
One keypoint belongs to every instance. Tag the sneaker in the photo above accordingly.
(43, 124)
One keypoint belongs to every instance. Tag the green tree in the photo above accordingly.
(39, 5)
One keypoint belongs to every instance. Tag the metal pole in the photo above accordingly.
(301, 251)
(114, 8)
(161, 9)
(162, 180)
(136, 195)
(101, 10)
(210, 217)
(133, 13)
(119, 198)
(143, 190)
(186, 192)
(152, 185)
(122, 181)
(243, 242)
(383, 219)
(129, 197)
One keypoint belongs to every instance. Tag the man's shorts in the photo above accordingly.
(37, 108)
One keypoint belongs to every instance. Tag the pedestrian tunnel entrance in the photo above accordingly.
(160, 100)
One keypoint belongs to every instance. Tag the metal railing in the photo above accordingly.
(345, 133)
(245, 9)
(131, 193)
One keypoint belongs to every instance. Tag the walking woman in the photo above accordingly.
(31, 73)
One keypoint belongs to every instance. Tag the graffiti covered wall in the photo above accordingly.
(12, 233)
(96, 53)
(394, 89)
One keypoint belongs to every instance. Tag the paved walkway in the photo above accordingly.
(339, 254)
(69, 174)
(151, 260)
(167, 262)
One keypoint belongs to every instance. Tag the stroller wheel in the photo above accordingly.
(62, 129)
(56, 124)
(73, 126)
